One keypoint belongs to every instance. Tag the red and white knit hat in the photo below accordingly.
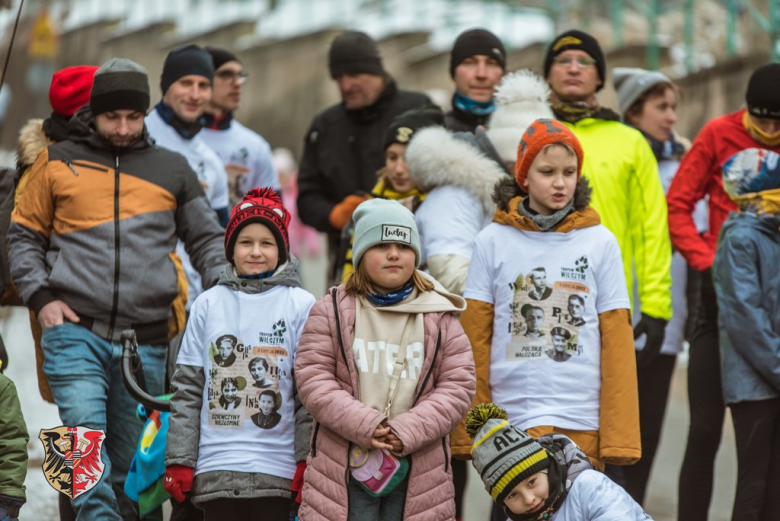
(260, 205)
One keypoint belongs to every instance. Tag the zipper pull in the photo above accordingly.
(72, 168)
(117, 163)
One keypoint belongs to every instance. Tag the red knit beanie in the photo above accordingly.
(538, 135)
(70, 88)
(260, 205)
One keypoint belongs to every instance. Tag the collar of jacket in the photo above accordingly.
(56, 127)
(575, 112)
(184, 129)
(383, 190)
(466, 117)
(81, 129)
(380, 106)
(286, 275)
(32, 141)
(212, 122)
(508, 197)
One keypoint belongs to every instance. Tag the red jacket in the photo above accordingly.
(699, 175)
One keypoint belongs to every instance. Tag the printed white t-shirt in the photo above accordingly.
(547, 289)
(245, 344)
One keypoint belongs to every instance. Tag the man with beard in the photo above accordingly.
(91, 243)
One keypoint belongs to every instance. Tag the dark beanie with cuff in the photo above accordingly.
(354, 52)
(221, 56)
(763, 94)
(578, 40)
(119, 84)
(476, 42)
(403, 127)
(183, 61)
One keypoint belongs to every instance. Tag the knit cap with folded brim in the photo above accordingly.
(119, 84)
(382, 220)
(632, 82)
(503, 455)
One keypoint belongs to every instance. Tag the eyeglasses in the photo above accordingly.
(583, 62)
(232, 76)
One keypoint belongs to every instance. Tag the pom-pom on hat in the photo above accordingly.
(521, 98)
(538, 135)
(70, 88)
(383, 220)
(260, 205)
(502, 454)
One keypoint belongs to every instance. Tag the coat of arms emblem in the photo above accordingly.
(73, 463)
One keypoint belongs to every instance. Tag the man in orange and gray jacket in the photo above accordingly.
(91, 246)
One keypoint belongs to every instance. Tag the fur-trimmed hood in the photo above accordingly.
(32, 141)
(435, 157)
(508, 195)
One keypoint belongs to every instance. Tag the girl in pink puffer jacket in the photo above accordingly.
(388, 314)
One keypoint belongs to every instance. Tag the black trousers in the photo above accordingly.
(653, 383)
(757, 430)
(459, 474)
(265, 508)
(705, 397)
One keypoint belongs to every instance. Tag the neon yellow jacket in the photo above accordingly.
(628, 195)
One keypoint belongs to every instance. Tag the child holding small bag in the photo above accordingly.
(384, 368)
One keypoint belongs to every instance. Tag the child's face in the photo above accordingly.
(389, 265)
(551, 180)
(397, 173)
(255, 251)
(529, 495)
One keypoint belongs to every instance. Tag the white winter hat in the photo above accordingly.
(521, 98)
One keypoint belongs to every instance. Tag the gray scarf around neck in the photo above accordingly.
(545, 222)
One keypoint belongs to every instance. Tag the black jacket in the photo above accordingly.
(342, 153)
(457, 120)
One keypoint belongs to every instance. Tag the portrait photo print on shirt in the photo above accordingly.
(267, 417)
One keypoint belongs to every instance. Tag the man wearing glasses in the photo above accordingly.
(245, 154)
(623, 173)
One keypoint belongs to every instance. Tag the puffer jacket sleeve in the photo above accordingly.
(619, 441)
(319, 387)
(184, 422)
(477, 322)
(650, 235)
(595, 497)
(32, 223)
(739, 290)
(439, 412)
(13, 441)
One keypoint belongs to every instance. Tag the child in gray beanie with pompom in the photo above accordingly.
(547, 478)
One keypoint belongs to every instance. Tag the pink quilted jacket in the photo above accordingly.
(327, 384)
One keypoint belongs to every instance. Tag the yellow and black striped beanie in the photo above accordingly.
(502, 454)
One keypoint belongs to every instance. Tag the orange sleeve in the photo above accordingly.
(35, 208)
(477, 322)
(619, 440)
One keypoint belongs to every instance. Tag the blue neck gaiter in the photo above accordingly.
(263, 275)
(478, 108)
(388, 299)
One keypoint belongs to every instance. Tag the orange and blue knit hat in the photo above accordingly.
(502, 454)
(538, 135)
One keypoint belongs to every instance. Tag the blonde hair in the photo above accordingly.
(359, 282)
(560, 144)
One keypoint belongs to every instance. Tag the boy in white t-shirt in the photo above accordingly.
(548, 312)
(238, 436)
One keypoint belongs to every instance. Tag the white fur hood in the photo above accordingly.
(435, 157)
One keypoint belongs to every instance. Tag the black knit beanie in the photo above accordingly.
(183, 61)
(221, 56)
(119, 84)
(763, 94)
(575, 39)
(353, 52)
(404, 126)
(474, 42)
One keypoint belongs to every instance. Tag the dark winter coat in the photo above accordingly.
(13, 443)
(97, 228)
(746, 282)
(458, 120)
(342, 153)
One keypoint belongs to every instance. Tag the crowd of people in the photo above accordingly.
(512, 283)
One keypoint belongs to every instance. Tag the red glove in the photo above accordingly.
(297, 482)
(341, 213)
(178, 481)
